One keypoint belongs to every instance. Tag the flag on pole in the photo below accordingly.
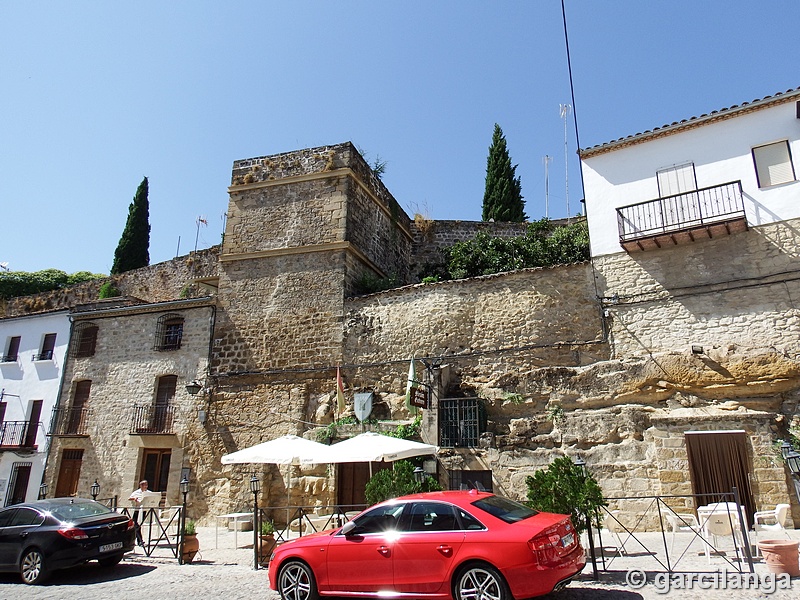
(410, 387)
(339, 392)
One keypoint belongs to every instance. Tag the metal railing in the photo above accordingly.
(70, 421)
(289, 522)
(152, 418)
(637, 540)
(681, 211)
(18, 434)
(157, 528)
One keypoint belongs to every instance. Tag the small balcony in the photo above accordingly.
(683, 218)
(70, 421)
(152, 419)
(18, 434)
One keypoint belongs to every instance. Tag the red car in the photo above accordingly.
(465, 545)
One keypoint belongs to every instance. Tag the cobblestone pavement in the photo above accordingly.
(226, 573)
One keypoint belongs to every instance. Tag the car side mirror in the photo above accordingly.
(348, 528)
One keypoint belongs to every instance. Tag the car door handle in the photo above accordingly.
(24, 534)
(445, 549)
(385, 550)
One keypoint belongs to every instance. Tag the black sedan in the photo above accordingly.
(39, 537)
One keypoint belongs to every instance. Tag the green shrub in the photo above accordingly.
(562, 488)
(108, 290)
(397, 481)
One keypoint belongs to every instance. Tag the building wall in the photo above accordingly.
(124, 373)
(721, 152)
(24, 381)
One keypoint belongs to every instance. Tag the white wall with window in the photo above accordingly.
(33, 353)
(757, 144)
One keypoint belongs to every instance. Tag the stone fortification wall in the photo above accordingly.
(741, 289)
(316, 196)
(160, 282)
(279, 313)
(493, 325)
(431, 237)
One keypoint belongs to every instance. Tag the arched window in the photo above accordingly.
(169, 332)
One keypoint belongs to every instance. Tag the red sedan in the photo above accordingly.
(465, 545)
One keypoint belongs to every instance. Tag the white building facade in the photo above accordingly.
(33, 354)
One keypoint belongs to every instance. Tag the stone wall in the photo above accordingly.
(740, 289)
(124, 371)
(160, 282)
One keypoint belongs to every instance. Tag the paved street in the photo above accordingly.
(226, 573)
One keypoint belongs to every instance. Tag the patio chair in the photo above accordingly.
(612, 525)
(720, 524)
(771, 521)
(682, 523)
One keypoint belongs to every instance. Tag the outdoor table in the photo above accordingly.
(245, 517)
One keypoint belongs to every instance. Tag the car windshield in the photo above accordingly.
(505, 509)
(78, 510)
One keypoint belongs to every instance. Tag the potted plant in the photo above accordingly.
(267, 531)
(190, 542)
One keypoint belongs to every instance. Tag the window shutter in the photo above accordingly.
(773, 164)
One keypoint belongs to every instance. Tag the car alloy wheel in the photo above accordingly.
(31, 567)
(296, 582)
(481, 583)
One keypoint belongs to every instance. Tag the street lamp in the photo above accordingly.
(184, 487)
(255, 487)
(95, 490)
(419, 474)
(194, 387)
(43, 491)
(581, 464)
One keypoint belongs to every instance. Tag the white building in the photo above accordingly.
(33, 354)
(697, 178)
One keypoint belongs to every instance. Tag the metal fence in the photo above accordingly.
(716, 528)
(158, 529)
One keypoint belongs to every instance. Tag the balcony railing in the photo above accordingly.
(18, 434)
(717, 208)
(151, 418)
(70, 421)
(45, 355)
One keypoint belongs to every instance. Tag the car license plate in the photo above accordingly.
(567, 540)
(110, 547)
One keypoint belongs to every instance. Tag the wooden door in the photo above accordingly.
(69, 473)
(351, 480)
(33, 423)
(155, 469)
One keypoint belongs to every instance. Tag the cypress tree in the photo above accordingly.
(133, 250)
(502, 200)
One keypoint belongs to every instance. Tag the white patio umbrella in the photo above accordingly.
(285, 450)
(374, 447)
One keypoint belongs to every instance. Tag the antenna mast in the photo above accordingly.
(547, 159)
(565, 108)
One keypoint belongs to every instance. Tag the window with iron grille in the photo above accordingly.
(84, 340)
(12, 349)
(169, 332)
(48, 346)
(461, 422)
(467, 479)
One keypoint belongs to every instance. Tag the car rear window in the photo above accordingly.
(504, 509)
(78, 510)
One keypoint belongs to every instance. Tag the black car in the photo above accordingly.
(39, 537)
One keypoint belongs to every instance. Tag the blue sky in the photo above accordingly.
(96, 95)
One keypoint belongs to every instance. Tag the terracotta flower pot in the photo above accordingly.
(781, 556)
(267, 546)
(190, 547)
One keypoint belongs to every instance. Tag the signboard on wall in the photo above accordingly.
(419, 397)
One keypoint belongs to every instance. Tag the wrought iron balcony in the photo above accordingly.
(70, 421)
(46, 355)
(150, 418)
(18, 434)
(707, 212)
